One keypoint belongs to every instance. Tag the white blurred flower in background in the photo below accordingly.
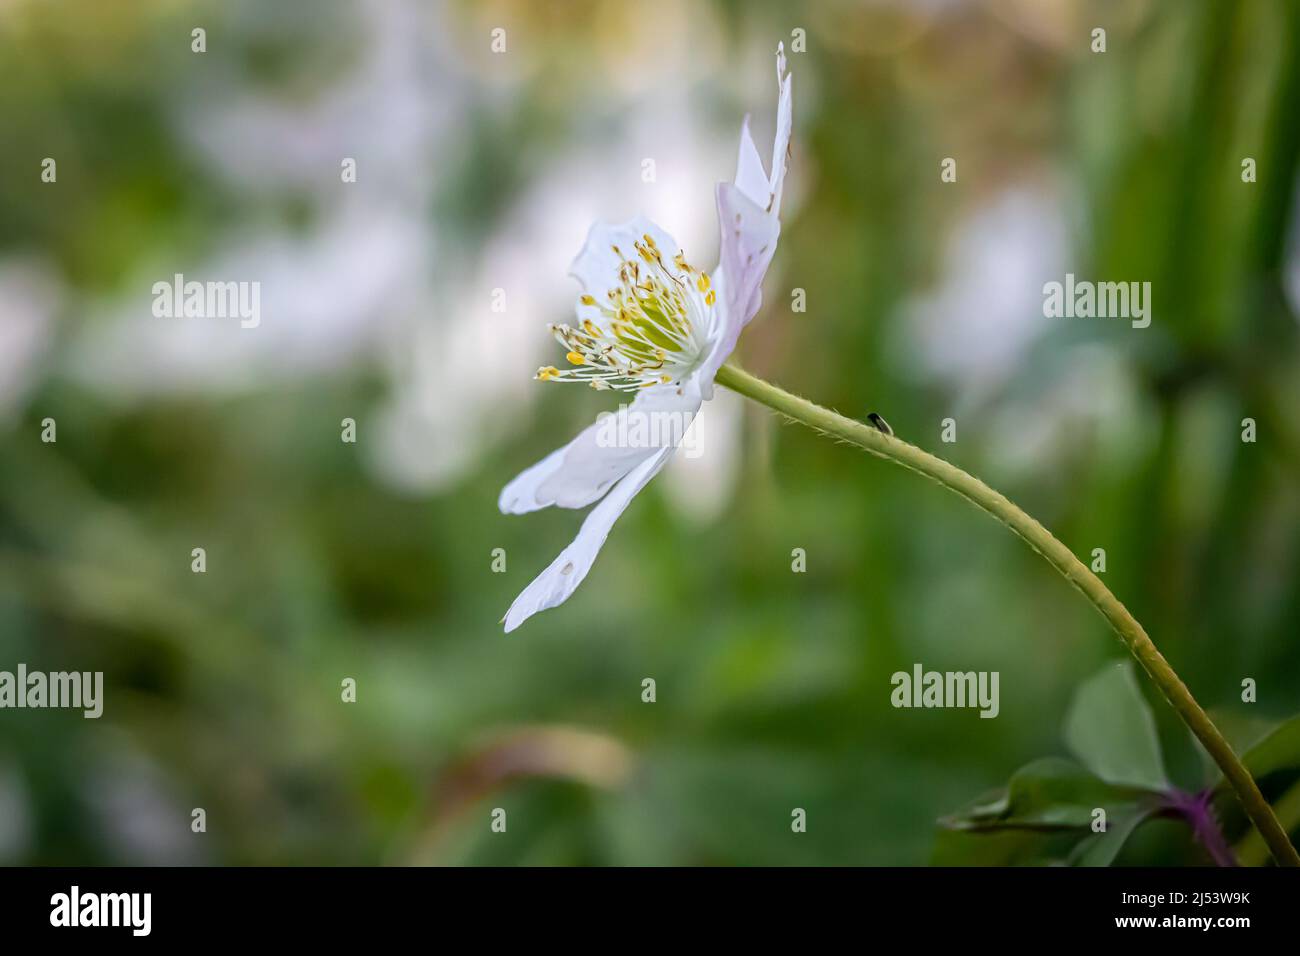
(390, 106)
(325, 298)
(1093, 405)
(328, 292)
(976, 330)
(973, 330)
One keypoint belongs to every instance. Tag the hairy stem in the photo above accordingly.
(1058, 556)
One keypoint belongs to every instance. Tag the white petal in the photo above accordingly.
(571, 477)
(748, 241)
(751, 179)
(596, 266)
(758, 187)
(583, 470)
(554, 585)
(748, 217)
(784, 125)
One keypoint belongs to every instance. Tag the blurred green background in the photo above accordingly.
(480, 172)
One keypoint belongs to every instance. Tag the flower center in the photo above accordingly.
(651, 329)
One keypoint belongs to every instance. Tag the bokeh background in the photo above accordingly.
(480, 172)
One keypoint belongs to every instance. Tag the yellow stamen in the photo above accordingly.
(642, 332)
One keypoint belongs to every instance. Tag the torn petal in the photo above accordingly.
(561, 578)
(784, 125)
(749, 222)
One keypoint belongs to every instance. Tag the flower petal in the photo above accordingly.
(596, 266)
(571, 477)
(751, 179)
(554, 585)
(784, 126)
(749, 236)
(758, 187)
(583, 470)
(749, 220)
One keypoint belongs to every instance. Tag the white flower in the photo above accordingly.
(649, 322)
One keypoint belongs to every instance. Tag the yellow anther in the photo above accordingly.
(645, 335)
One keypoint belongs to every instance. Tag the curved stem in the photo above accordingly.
(1058, 556)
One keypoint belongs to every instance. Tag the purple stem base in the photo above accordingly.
(1198, 810)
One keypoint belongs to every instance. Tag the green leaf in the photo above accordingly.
(1100, 849)
(1110, 729)
(1044, 817)
(1279, 750)
(1264, 746)
(1243, 731)
(1002, 847)
(1048, 794)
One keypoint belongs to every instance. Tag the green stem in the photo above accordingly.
(1251, 850)
(1058, 556)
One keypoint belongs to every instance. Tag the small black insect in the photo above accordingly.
(880, 423)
